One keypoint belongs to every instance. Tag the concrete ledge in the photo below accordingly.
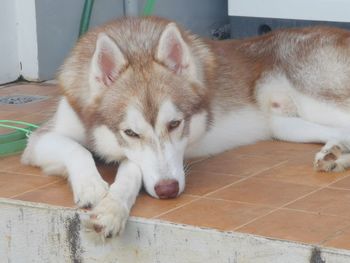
(31, 232)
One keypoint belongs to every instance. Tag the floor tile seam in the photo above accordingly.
(277, 208)
(338, 188)
(238, 202)
(242, 175)
(333, 235)
(285, 205)
(242, 179)
(177, 207)
(312, 192)
(30, 174)
(36, 188)
(315, 213)
(213, 172)
(203, 197)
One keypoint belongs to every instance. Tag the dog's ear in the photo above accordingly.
(108, 60)
(173, 51)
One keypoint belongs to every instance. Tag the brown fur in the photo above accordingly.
(230, 69)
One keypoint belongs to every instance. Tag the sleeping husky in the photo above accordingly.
(147, 94)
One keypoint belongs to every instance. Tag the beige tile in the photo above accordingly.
(201, 183)
(325, 201)
(148, 207)
(239, 165)
(13, 164)
(295, 226)
(218, 214)
(286, 150)
(59, 194)
(341, 239)
(300, 171)
(13, 184)
(264, 192)
(342, 183)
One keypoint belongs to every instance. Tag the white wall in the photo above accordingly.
(27, 39)
(317, 10)
(18, 45)
(9, 65)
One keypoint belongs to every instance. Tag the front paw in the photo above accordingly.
(107, 220)
(90, 192)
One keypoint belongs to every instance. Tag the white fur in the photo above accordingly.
(136, 122)
(274, 95)
(112, 212)
(276, 88)
(198, 126)
(106, 144)
(55, 153)
(321, 112)
(67, 122)
(299, 130)
(167, 112)
(236, 128)
(159, 157)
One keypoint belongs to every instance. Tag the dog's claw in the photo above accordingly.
(107, 219)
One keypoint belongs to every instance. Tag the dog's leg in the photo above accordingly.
(109, 217)
(57, 154)
(295, 129)
(337, 142)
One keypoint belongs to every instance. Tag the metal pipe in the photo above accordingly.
(131, 7)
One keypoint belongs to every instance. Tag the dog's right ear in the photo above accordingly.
(108, 60)
(174, 52)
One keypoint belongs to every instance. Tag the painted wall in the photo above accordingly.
(38, 34)
(58, 27)
(9, 65)
(58, 23)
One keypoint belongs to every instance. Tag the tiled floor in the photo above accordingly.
(268, 189)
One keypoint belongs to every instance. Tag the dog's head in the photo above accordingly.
(151, 99)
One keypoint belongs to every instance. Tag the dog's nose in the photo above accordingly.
(167, 188)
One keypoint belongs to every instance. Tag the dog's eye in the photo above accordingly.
(131, 133)
(173, 125)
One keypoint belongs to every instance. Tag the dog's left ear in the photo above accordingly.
(174, 52)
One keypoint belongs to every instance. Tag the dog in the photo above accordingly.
(148, 94)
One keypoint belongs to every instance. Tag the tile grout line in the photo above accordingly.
(245, 178)
(34, 189)
(175, 208)
(288, 203)
(333, 235)
(30, 174)
(203, 197)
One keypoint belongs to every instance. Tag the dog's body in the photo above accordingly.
(147, 94)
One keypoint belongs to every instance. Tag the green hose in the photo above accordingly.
(149, 7)
(15, 142)
(85, 17)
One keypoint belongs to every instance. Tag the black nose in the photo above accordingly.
(168, 188)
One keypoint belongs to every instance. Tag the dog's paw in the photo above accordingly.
(107, 219)
(326, 159)
(90, 192)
